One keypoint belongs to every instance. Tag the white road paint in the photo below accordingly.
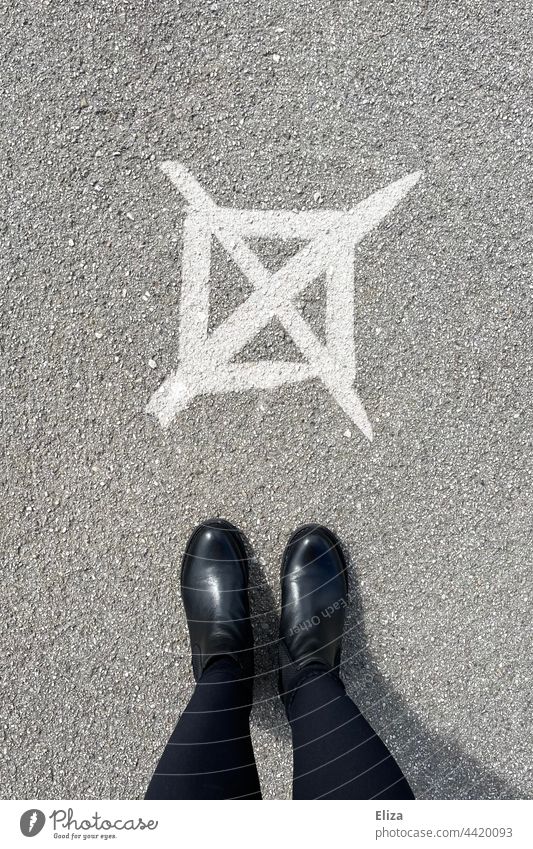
(206, 359)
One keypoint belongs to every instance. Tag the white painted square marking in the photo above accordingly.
(206, 359)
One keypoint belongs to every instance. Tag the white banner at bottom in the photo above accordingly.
(232, 825)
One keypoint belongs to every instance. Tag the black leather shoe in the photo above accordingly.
(314, 597)
(214, 589)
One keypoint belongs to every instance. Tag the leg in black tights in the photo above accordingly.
(209, 755)
(337, 755)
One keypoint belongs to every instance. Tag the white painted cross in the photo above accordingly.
(206, 359)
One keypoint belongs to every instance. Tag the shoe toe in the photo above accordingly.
(315, 550)
(215, 551)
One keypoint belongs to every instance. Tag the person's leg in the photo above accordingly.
(337, 755)
(210, 755)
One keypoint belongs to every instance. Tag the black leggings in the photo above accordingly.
(337, 755)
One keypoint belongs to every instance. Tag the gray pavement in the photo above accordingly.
(285, 105)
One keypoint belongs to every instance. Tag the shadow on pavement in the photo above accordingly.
(435, 767)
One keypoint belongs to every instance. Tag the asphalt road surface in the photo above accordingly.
(274, 106)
